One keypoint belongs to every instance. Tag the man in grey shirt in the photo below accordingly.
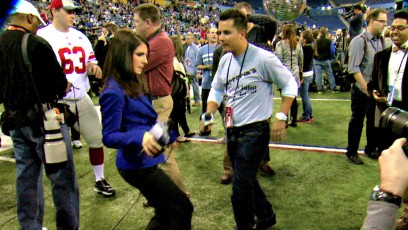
(191, 70)
(361, 52)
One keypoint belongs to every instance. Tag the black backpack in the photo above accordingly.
(178, 85)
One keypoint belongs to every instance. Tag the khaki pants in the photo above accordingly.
(227, 163)
(163, 107)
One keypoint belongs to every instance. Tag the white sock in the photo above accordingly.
(98, 170)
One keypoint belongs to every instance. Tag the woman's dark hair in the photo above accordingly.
(178, 47)
(119, 63)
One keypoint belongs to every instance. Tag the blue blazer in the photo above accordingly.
(124, 122)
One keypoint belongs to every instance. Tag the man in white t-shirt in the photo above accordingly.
(246, 74)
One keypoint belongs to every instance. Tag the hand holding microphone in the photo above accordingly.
(150, 145)
(207, 119)
(155, 140)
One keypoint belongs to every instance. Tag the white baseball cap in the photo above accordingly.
(24, 7)
(66, 4)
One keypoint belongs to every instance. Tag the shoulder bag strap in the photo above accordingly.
(27, 62)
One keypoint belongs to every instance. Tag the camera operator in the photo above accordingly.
(22, 92)
(386, 199)
(356, 21)
(387, 81)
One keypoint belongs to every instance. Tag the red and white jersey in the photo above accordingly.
(74, 51)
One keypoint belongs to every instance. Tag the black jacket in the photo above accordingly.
(308, 53)
(263, 30)
(379, 79)
(323, 49)
(16, 90)
(100, 52)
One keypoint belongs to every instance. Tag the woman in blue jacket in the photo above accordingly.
(127, 117)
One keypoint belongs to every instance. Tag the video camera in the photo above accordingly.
(350, 13)
(395, 122)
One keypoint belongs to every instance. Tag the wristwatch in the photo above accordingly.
(281, 116)
(380, 195)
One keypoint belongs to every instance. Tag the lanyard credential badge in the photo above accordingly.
(390, 97)
(228, 117)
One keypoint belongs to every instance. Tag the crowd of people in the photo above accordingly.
(141, 110)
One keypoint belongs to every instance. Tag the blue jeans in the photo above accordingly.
(361, 107)
(304, 94)
(246, 146)
(196, 89)
(319, 66)
(29, 154)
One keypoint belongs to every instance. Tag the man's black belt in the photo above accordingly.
(255, 125)
(157, 97)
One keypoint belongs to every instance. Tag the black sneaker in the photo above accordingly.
(355, 159)
(103, 187)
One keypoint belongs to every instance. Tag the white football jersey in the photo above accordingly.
(74, 51)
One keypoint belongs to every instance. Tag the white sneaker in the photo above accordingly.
(77, 144)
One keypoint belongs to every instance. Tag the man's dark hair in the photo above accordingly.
(402, 14)
(308, 36)
(357, 7)
(324, 31)
(374, 14)
(240, 20)
(111, 27)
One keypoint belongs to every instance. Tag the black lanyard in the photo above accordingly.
(399, 68)
(240, 71)
(376, 48)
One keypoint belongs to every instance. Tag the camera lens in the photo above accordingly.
(395, 121)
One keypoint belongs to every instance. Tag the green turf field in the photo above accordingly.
(311, 190)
